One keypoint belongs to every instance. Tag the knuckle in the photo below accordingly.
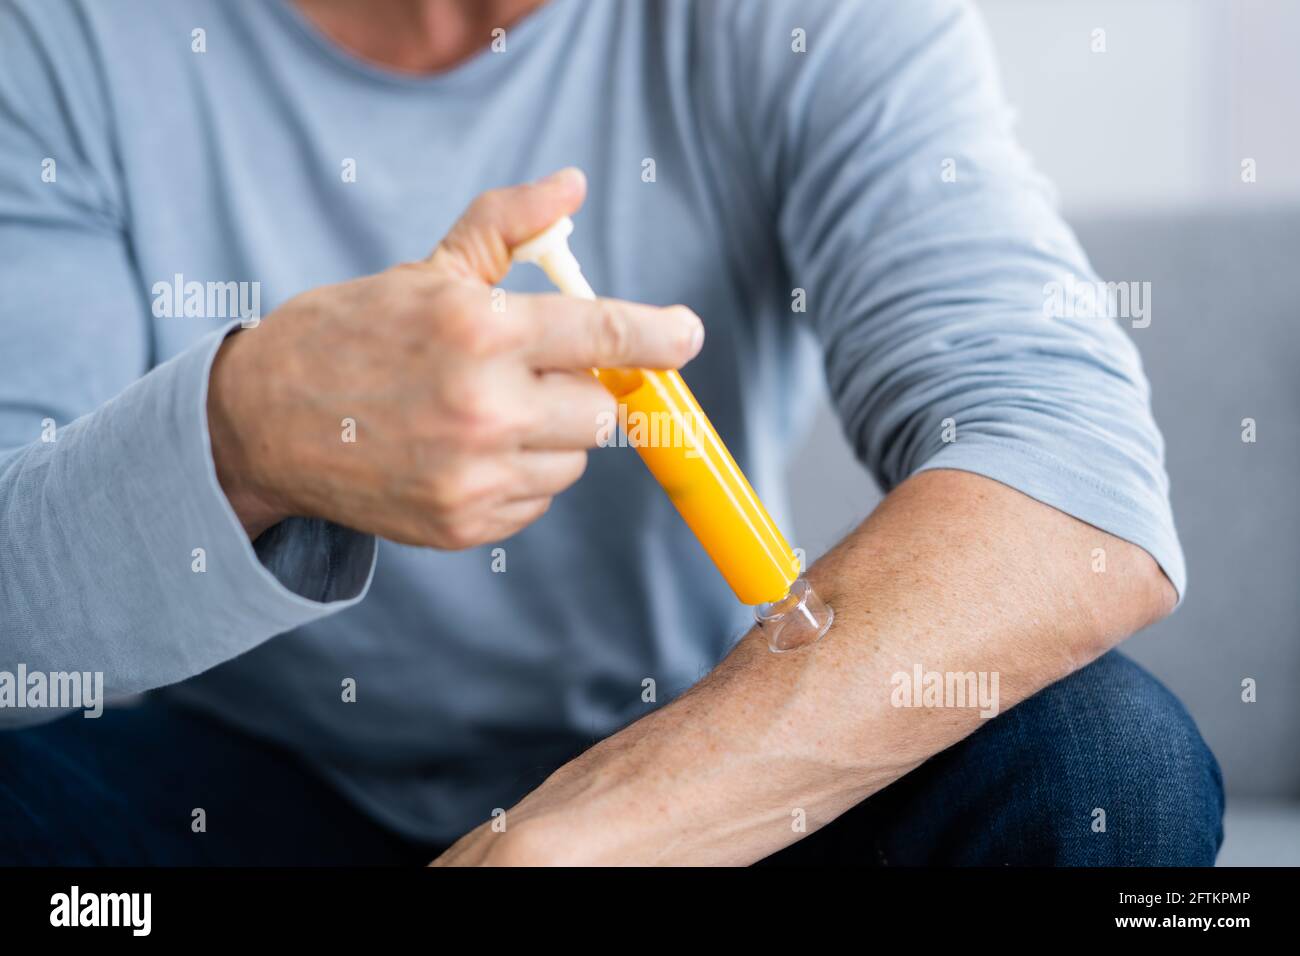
(504, 330)
(613, 333)
(484, 420)
(453, 392)
(480, 336)
(447, 490)
(447, 304)
(460, 536)
(469, 325)
(474, 411)
(488, 205)
(454, 313)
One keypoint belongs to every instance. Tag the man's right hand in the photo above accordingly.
(468, 419)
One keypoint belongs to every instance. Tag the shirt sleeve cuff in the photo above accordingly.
(298, 570)
(1146, 522)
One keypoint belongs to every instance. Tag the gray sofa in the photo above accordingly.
(1224, 345)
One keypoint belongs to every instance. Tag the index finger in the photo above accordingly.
(571, 333)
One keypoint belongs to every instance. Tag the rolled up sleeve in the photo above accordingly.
(928, 246)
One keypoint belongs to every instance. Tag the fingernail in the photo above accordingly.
(697, 338)
(560, 176)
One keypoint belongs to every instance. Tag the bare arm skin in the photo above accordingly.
(953, 571)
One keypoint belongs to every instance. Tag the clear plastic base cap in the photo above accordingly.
(797, 620)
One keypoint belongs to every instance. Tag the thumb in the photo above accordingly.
(478, 245)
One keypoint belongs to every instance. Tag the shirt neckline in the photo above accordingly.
(479, 63)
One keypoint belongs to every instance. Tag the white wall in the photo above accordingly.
(1185, 90)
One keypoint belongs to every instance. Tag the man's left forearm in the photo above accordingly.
(952, 573)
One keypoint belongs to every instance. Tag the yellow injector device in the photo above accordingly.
(701, 478)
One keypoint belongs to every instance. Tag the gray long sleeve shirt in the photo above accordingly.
(744, 157)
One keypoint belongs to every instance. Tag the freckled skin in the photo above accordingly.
(765, 733)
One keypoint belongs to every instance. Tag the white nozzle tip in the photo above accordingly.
(798, 619)
(545, 242)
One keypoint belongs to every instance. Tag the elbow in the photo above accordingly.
(1161, 596)
(1144, 596)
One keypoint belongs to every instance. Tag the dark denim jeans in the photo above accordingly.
(1023, 790)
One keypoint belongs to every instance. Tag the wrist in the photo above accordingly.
(603, 809)
(235, 451)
